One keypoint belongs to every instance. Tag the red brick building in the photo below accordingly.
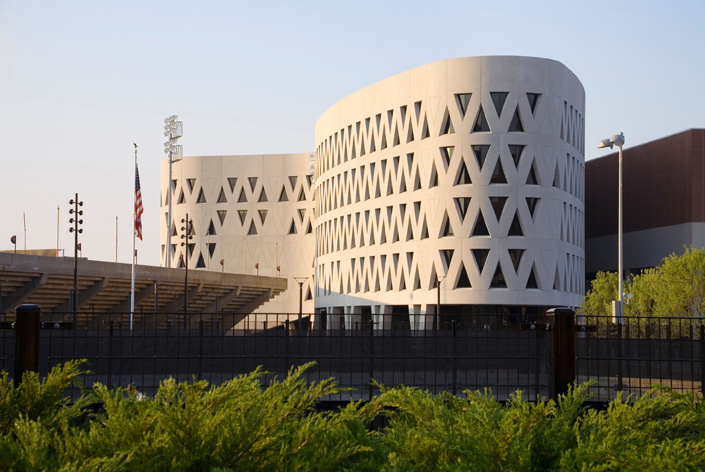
(664, 202)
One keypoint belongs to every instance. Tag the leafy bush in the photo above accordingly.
(240, 425)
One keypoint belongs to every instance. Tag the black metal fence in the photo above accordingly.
(503, 354)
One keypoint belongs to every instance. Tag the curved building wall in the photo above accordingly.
(246, 210)
(468, 169)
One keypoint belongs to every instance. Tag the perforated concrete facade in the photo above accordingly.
(469, 169)
(246, 211)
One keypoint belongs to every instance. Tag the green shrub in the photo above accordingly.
(239, 425)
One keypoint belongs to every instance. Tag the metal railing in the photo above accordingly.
(501, 353)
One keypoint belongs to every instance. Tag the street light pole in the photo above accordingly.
(75, 230)
(618, 312)
(173, 130)
(186, 236)
(300, 281)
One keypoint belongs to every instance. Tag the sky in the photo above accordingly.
(81, 81)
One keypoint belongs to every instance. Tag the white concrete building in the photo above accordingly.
(255, 213)
(469, 171)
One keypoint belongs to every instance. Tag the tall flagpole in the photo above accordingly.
(134, 233)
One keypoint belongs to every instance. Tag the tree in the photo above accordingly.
(676, 288)
(598, 300)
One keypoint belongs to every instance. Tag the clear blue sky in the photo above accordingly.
(80, 81)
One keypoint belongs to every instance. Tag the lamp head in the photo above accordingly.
(605, 143)
(617, 140)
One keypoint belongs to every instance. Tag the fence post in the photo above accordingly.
(702, 359)
(561, 351)
(200, 349)
(26, 340)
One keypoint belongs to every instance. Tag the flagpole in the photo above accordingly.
(134, 233)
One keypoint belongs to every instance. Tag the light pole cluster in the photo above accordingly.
(618, 309)
(173, 130)
(75, 229)
(186, 236)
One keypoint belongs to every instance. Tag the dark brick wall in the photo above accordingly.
(664, 184)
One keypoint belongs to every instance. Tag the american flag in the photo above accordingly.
(139, 209)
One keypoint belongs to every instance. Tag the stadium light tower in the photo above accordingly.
(618, 311)
(173, 130)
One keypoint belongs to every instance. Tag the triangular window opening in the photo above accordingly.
(498, 98)
(410, 134)
(191, 183)
(447, 229)
(211, 249)
(531, 203)
(516, 151)
(191, 247)
(417, 280)
(447, 154)
(201, 263)
(283, 197)
(174, 233)
(308, 294)
(498, 279)
(533, 100)
(301, 212)
(481, 124)
(463, 177)
(480, 228)
(463, 99)
(242, 198)
(515, 256)
(531, 178)
(417, 181)
(242, 214)
(232, 181)
(253, 183)
(515, 228)
(302, 196)
(211, 229)
(434, 177)
(309, 229)
(424, 131)
(531, 283)
(556, 281)
(221, 197)
(292, 227)
(447, 255)
(396, 136)
(424, 229)
(480, 256)
(515, 125)
(252, 230)
(498, 176)
(480, 151)
(262, 215)
(447, 127)
(292, 181)
(262, 197)
(181, 262)
(556, 178)
(463, 279)
(181, 199)
(498, 205)
(201, 197)
(462, 204)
